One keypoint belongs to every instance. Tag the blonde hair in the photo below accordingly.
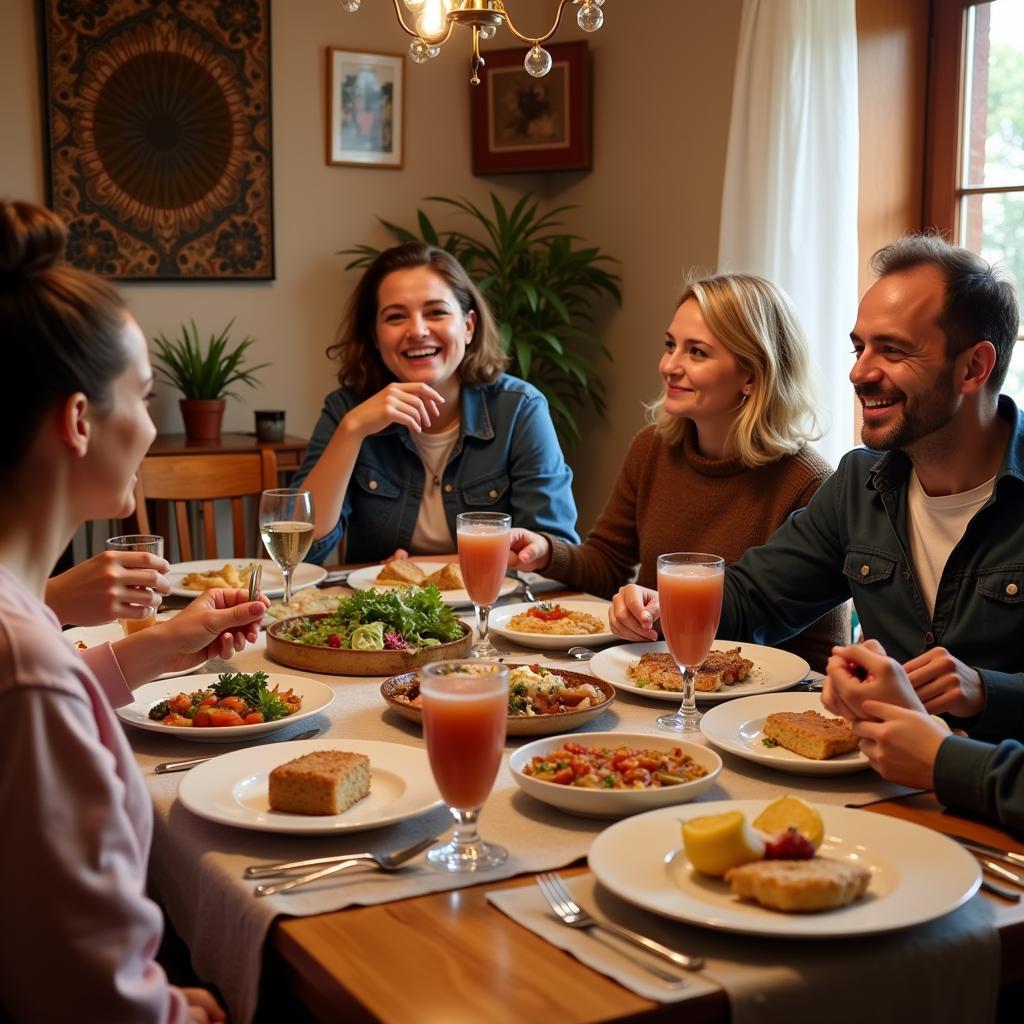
(757, 323)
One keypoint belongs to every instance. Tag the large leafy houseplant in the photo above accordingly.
(541, 290)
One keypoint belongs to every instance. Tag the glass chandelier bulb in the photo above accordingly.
(488, 32)
(590, 17)
(415, 6)
(420, 51)
(350, 5)
(598, 3)
(538, 61)
(432, 20)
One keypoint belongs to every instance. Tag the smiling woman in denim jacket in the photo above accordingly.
(425, 424)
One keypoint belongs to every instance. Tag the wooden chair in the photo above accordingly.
(180, 479)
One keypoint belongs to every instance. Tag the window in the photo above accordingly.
(975, 187)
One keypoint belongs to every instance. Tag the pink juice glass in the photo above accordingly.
(690, 596)
(465, 714)
(484, 539)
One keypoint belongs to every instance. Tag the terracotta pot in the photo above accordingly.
(203, 417)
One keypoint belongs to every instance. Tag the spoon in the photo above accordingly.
(581, 653)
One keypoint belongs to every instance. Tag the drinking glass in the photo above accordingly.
(286, 526)
(484, 540)
(690, 595)
(465, 712)
(138, 542)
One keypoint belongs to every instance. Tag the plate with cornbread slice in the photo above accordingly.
(791, 732)
(407, 572)
(733, 669)
(917, 875)
(317, 789)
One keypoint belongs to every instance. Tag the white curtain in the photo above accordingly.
(789, 209)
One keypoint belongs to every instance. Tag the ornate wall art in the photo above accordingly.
(159, 136)
(365, 115)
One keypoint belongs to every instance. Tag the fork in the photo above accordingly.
(255, 577)
(515, 574)
(561, 902)
(386, 862)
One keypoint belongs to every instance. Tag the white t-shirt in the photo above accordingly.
(936, 526)
(431, 535)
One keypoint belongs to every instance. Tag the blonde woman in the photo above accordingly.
(725, 460)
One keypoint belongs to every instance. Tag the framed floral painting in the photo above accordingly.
(364, 108)
(159, 136)
(522, 123)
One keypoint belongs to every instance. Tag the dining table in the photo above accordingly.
(426, 946)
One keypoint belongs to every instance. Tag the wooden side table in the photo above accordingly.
(289, 452)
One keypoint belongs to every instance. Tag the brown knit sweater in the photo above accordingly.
(672, 498)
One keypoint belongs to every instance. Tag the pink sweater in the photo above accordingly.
(77, 821)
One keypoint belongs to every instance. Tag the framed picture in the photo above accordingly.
(365, 115)
(158, 137)
(522, 123)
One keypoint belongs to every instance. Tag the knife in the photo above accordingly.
(997, 869)
(994, 852)
(181, 766)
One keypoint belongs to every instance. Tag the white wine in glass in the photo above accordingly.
(286, 526)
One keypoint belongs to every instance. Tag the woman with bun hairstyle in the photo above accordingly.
(426, 424)
(724, 462)
(76, 813)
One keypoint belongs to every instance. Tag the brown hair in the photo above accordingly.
(758, 325)
(979, 304)
(61, 326)
(362, 368)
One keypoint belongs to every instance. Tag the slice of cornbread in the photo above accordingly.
(320, 782)
(810, 734)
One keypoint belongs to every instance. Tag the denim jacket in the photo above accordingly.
(852, 541)
(506, 459)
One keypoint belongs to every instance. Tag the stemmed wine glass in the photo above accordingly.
(286, 526)
(484, 540)
(690, 595)
(465, 712)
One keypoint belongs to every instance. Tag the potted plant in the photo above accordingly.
(541, 290)
(203, 374)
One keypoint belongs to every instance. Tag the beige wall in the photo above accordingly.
(663, 74)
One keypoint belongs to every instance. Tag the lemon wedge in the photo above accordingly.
(791, 812)
(717, 842)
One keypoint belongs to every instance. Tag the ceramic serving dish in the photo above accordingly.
(339, 662)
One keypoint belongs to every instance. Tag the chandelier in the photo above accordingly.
(433, 21)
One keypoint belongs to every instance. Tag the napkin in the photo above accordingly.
(943, 971)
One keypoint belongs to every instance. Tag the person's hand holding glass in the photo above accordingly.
(286, 526)
(465, 714)
(484, 539)
(154, 545)
(690, 595)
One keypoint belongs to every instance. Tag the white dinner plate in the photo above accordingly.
(500, 618)
(737, 727)
(612, 803)
(306, 574)
(232, 789)
(773, 670)
(366, 579)
(110, 632)
(315, 697)
(916, 874)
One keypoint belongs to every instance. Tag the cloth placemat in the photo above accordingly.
(943, 971)
(197, 865)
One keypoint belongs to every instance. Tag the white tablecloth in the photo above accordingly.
(197, 866)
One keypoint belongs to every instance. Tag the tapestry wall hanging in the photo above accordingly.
(159, 136)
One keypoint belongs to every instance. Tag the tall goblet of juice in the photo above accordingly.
(139, 542)
(286, 526)
(484, 540)
(465, 713)
(690, 595)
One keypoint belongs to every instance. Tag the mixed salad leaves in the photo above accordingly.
(375, 620)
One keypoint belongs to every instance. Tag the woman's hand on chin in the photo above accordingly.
(411, 405)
